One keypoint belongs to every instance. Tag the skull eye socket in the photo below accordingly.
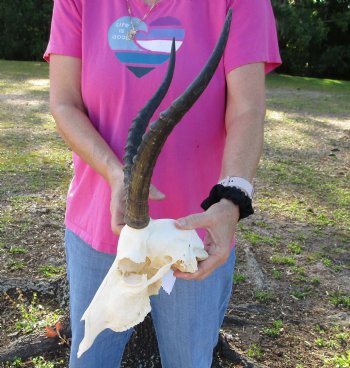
(127, 266)
(150, 267)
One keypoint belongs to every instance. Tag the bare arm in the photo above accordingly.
(245, 112)
(72, 123)
(76, 129)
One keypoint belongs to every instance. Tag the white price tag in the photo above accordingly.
(168, 281)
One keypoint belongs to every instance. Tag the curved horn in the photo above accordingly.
(139, 124)
(136, 213)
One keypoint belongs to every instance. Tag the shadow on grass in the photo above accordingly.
(40, 178)
(22, 70)
(312, 128)
(275, 80)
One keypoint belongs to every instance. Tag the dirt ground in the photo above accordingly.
(290, 306)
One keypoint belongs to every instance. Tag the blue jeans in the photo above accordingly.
(187, 322)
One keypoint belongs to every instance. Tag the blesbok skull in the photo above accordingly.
(147, 249)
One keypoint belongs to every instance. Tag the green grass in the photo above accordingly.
(276, 274)
(306, 153)
(295, 247)
(331, 344)
(262, 224)
(283, 260)
(255, 351)
(16, 363)
(308, 84)
(238, 278)
(315, 281)
(264, 296)
(302, 293)
(35, 164)
(330, 264)
(339, 361)
(33, 316)
(340, 299)
(299, 270)
(255, 238)
(51, 271)
(17, 250)
(36, 362)
(16, 265)
(34, 158)
(319, 94)
(275, 330)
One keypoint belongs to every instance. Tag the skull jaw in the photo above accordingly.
(144, 257)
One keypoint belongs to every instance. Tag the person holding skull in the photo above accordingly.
(106, 60)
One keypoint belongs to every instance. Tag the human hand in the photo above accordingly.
(117, 205)
(220, 222)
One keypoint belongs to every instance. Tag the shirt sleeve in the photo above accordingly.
(65, 35)
(253, 36)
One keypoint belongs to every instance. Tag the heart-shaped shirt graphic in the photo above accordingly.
(151, 45)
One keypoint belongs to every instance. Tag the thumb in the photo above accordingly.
(193, 221)
(156, 194)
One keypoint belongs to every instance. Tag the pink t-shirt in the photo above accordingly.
(120, 75)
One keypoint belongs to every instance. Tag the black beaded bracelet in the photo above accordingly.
(233, 194)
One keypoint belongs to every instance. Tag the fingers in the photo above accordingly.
(194, 221)
(205, 269)
(117, 229)
(155, 194)
(117, 205)
(117, 208)
(117, 223)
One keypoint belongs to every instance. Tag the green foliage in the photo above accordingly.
(263, 296)
(340, 299)
(295, 247)
(33, 316)
(314, 37)
(16, 265)
(276, 274)
(238, 278)
(29, 315)
(329, 263)
(36, 362)
(255, 238)
(301, 293)
(275, 330)
(17, 250)
(283, 260)
(24, 28)
(331, 343)
(40, 362)
(340, 361)
(51, 271)
(16, 363)
(255, 351)
(315, 281)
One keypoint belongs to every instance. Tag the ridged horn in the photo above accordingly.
(140, 123)
(136, 211)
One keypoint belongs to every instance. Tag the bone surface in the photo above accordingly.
(144, 257)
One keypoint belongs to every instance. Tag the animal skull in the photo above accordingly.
(144, 257)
